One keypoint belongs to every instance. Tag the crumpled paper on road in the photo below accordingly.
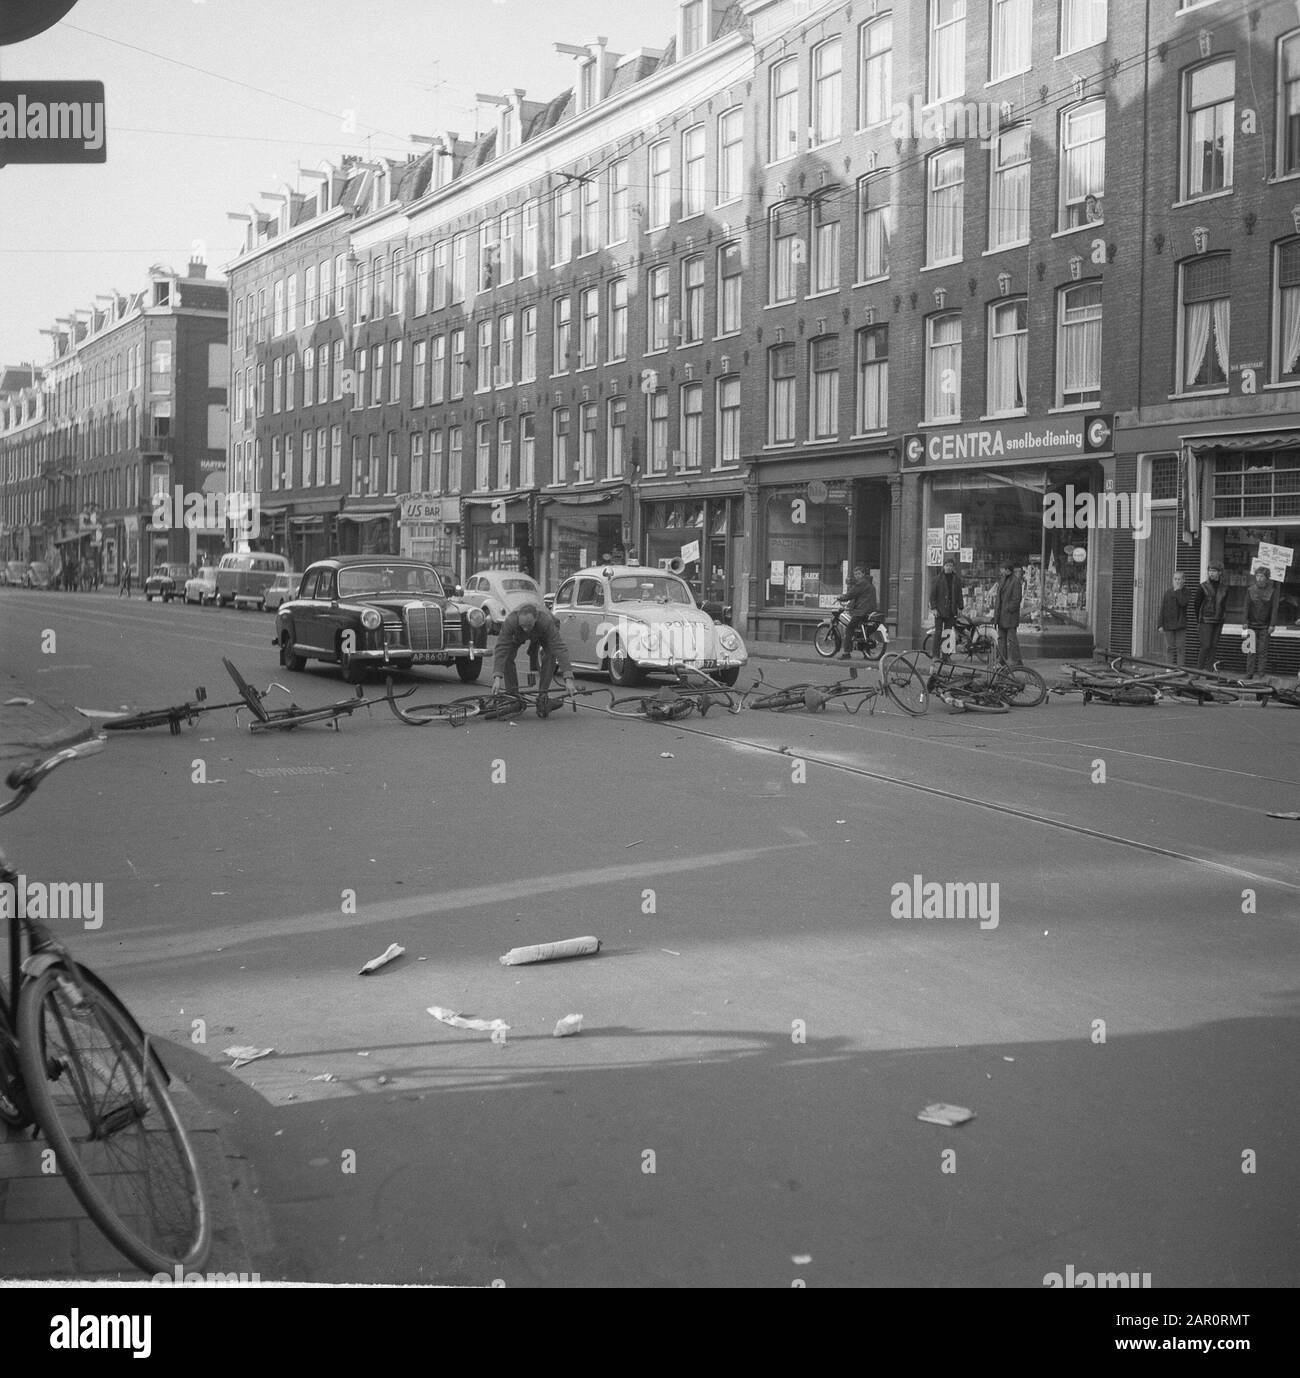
(243, 1055)
(570, 1024)
(458, 1021)
(390, 954)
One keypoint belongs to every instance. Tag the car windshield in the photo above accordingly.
(369, 580)
(649, 588)
(518, 586)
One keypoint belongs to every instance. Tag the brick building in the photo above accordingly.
(132, 402)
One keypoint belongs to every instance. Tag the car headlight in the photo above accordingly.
(371, 620)
(475, 617)
(729, 641)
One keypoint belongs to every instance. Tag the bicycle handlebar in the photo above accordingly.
(24, 779)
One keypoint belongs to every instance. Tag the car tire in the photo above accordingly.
(288, 659)
(729, 676)
(623, 670)
(353, 670)
(148, 598)
(218, 600)
(469, 670)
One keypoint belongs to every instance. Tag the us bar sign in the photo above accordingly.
(52, 122)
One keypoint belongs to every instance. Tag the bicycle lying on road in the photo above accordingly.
(974, 689)
(74, 1062)
(899, 681)
(975, 640)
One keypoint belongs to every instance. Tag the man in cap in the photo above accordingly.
(537, 629)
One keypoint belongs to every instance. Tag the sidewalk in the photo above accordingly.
(802, 653)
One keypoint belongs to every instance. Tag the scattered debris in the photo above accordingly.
(460, 1022)
(637, 843)
(1008, 1059)
(801, 1258)
(325, 1076)
(18, 702)
(548, 952)
(242, 1055)
(666, 756)
(1284, 815)
(390, 954)
(383, 1081)
(670, 952)
(570, 1024)
(946, 1114)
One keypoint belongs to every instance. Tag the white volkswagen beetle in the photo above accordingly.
(626, 619)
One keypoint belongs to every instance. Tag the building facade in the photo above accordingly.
(130, 405)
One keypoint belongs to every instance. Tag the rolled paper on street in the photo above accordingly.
(570, 1024)
(459, 1021)
(391, 954)
(549, 952)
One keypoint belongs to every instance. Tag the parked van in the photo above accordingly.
(244, 579)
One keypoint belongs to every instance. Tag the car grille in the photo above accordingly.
(424, 626)
(393, 632)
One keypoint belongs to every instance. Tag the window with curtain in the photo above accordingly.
(692, 425)
(728, 407)
(1288, 104)
(729, 288)
(943, 367)
(657, 431)
(827, 63)
(693, 170)
(1209, 101)
(875, 81)
(1286, 311)
(783, 230)
(617, 203)
(1079, 346)
(875, 215)
(783, 128)
(1083, 161)
(731, 154)
(660, 186)
(1011, 37)
(1009, 188)
(504, 448)
(1083, 23)
(693, 299)
(823, 387)
(657, 317)
(1008, 356)
(1206, 320)
(947, 72)
(872, 409)
(618, 319)
(825, 244)
(780, 394)
(943, 212)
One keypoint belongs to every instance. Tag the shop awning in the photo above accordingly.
(610, 495)
(361, 515)
(1277, 440)
(491, 499)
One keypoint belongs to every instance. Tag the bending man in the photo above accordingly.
(535, 627)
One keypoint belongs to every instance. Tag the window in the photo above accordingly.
(438, 369)
(372, 464)
(338, 370)
(292, 306)
(288, 462)
(657, 291)
(278, 326)
(437, 474)
(508, 238)
(617, 202)
(657, 431)
(160, 367)
(589, 327)
(417, 462)
(505, 370)
(441, 274)
(1083, 163)
(290, 381)
(731, 155)
(1080, 346)
(943, 211)
(275, 461)
(336, 454)
(588, 429)
(1205, 321)
(693, 299)
(457, 365)
(394, 373)
(589, 219)
(359, 366)
(615, 451)
(693, 170)
(1009, 188)
(528, 345)
(618, 319)
(1008, 356)
(823, 387)
(875, 86)
(780, 394)
(383, 284)
(323, 374)
(783, 234)
(241, 334)
(1011, 38)
(419, 364)
(947, 49)
(827, 62)
(1288, 104)
(1286, 312)
(322, 463)
(872, 411)
(660, 186)
(562, 219)
(423, 281)
(459, 264)
(309, 377)
(326, 295)
(875, 218)
(943, 367)
(560, 445)
(727, 451)
(397, 268)
(356, 464)
(729, 289)
(308, 458)
(455, 457)
(483, 356)
(1208, 106)
(692, 424)
(825, 244)
(363, 295)
(528, 250)
(277, 386)
(483, 455)
(340, 282)
(377, 375)
(505, 448)
(561, 332)
(1083, 23)
(692, 27)
(527, 450)
(783, 127)
(489, 256)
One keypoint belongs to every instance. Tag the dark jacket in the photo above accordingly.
(545, 633)
(1211, 601)
(860, 598)
(946, 596)
(1261, 605)
(1006, 601)
(1173, 610)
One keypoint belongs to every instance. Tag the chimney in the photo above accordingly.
(197, 268)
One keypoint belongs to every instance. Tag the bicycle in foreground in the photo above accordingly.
(971, 688)
(899, 681)
(75, 1063)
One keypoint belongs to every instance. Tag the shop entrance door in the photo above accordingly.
(1161, 555)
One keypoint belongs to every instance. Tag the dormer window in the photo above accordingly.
(162, 293)
(692, 27)
(587, 85)
(504, 141)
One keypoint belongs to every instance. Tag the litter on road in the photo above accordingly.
(458, 1021)
(243, 1055)
(549, 952)
(570, 1024)
(390, 954)
(946, 1114)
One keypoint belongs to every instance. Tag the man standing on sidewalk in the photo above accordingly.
(1261, 616)
(1209, 607)
(1007, 598)
(1173, 621)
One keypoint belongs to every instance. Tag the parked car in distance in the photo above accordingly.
(499, 592)
(15, 574)
(282, 588)
(244, 579)
(450, 582)
(202, 588)
(39, 576)
(382, 612)
(625, 619)
(166, 582)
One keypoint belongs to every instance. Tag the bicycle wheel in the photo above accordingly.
(1022, 687)
(827, 641)
(14, 1110)
(102, 1101)
(781, 699)
(985, 701)
(904, 685)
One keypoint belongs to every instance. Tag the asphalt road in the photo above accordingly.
(764, 1020)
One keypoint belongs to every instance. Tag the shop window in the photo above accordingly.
(806, 549)
(1253, 484)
